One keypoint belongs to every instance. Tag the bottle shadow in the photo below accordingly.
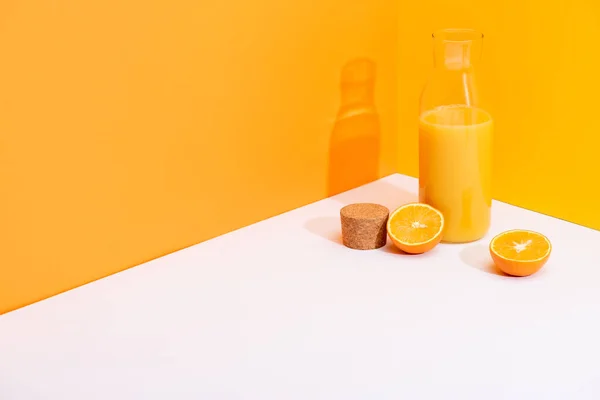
(354, 152)
(354, 145)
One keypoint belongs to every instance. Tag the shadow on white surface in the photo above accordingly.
(327, 227)
(379, 192)
(391, 249)
(478, 257)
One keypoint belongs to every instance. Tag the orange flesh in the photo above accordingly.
(521, 246)
(415, 224)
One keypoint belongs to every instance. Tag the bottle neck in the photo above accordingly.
(456, 49)
(454, 56)
(454, 77)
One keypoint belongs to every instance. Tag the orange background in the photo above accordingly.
(131, 129)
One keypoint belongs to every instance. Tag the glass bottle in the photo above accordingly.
(455, 138)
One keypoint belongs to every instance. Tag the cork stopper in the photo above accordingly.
(364, 226)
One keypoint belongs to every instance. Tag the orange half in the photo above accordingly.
(520, 252)
(415, 228)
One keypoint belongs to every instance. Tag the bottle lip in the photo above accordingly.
(457, 35)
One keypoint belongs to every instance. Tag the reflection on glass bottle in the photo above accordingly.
(455, 138)
(355, 140)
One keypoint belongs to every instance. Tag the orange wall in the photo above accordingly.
(130, 129)
(541, 67)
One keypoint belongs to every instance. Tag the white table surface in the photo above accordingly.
(281, 310)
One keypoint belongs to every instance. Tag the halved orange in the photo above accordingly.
(520, 252)
(415, 228)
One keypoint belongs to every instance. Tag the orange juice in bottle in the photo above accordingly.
(455, 139)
